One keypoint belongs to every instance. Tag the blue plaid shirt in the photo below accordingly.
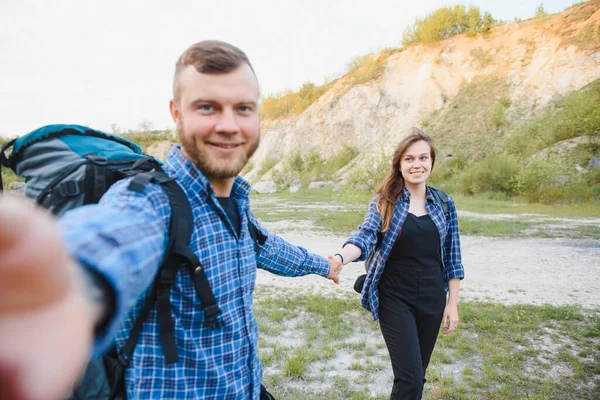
(366, 237)
(124, 239)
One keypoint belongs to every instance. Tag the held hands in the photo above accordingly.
(450, 319)
(335, 267)
(45, 323)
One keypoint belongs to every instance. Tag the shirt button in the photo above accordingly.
(198, 271)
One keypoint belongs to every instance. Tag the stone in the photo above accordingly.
(17, 189)
(265, 187)
(321, 185)
(296, 185)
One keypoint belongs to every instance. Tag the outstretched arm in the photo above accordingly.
(283, 258)
(46, 322)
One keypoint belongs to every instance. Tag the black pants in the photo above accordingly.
(411, 307)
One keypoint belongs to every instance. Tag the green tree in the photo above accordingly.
(540, 12)
(446, 22)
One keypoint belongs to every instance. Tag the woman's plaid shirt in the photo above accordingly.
(366, 237)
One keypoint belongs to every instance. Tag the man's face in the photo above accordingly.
(217, 120)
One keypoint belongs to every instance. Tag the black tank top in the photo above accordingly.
(417, 246)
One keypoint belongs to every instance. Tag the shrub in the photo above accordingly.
(540, 11)
(545, 181)
(8, 176)
(494, 173)
(362, 69)
(291, 103)
(266, 166)
(575, 115)
(311, 166)
(446, 22)
(373, 173)
(497, 117)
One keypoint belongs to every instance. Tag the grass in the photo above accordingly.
(342, 212)
(499, 351)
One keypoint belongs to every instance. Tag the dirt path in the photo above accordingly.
(522, 270)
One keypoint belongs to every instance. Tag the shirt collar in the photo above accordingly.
(191, 177)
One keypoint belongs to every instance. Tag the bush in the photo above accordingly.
(266, 166)
(545, 181)
(291, 103)
(362, 69)
(446, 22)
(311, 166)
(373, 173)
(495, 173)
(497, 117)
(146, 139)
(540, 11)
(447, 169)
(8, 176)
(576, 115)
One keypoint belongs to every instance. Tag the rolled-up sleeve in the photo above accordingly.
(453, 267)
(123, 239)
(365, 236)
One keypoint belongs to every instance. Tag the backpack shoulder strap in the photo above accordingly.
(442, 199)
(178, 254)
(257, 236)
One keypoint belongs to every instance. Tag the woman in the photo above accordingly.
(417, 261)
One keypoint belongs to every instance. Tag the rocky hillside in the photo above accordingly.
(451, 89)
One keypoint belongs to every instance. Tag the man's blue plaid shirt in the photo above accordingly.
(366, 237)
(124, 239)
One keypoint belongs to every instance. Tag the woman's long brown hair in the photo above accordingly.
(390, 189)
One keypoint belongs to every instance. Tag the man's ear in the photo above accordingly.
(174, 111)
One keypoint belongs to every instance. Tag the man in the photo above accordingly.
(46, 319)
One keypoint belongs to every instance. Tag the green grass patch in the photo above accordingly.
(342, 212)
(483, 227)
(499, 351)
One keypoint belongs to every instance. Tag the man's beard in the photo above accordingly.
(211, 169)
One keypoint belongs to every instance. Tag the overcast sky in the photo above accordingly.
(111, 61)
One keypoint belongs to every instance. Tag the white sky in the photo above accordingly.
(111, 61)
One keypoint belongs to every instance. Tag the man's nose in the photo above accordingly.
(227, 122)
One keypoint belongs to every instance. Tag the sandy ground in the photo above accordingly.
(530, 270)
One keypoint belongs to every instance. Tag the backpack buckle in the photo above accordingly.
(124, 361)
(97, 159)
(210, 317)
(69, 189)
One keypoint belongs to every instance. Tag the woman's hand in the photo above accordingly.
(450, 319)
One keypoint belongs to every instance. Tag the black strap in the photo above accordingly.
(442, 199)
(4, 162)
(178, 254)
(257, 237)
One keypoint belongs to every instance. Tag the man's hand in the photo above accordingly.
(335, 267)
(45, 324)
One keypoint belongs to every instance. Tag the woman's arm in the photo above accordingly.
(450, 320)
(361, 243)
(348, 254)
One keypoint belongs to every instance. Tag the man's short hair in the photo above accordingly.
(209, 57)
